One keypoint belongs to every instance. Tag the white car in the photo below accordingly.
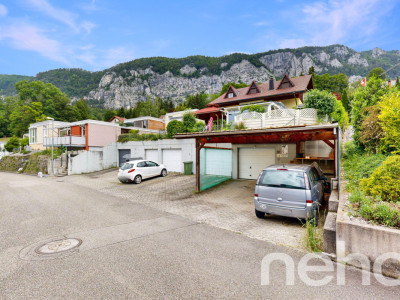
(137, 170)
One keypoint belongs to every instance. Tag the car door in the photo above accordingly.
(142, 169)
(153, 169)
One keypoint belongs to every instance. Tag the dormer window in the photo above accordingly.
(231, 92)
(285, 83)
(253, 89)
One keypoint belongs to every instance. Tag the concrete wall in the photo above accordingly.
(354, 236)
(96, 159)
(279, 160)
(187, 146)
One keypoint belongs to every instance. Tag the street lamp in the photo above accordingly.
(52, 143)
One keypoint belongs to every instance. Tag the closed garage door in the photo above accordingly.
(151, 155)
(124, 155)
(172, 159)
(253, 160)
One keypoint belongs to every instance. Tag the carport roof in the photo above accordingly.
(249, 132)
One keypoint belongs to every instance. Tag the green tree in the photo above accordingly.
(397, 84)
(196, 101)
(311, 70)
(188, 122)
(371, 132)
(22, 116)
(378, 72)
(12, 143)
(331, 83)
(234, 84)
(323, 101)
(340, 115)
(108, 114)
(345, 100)
(173, 128)
(364, 97)
(50, 109)
(389, 119)
(82, 110)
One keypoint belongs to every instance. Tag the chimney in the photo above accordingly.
(271, 83)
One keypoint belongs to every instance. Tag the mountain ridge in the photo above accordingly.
(173, 78)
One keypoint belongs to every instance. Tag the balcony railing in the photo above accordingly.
(69, 141)
(278, 118)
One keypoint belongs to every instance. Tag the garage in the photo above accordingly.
(253, 160)
(123, 155)
(151, 154)
(172, 159)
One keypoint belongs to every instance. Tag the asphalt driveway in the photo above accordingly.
(229, 206)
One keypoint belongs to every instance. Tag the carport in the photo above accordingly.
(215, 170)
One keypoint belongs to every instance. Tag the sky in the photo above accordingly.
(39, 35)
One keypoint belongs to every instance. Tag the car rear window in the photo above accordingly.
(283, 179)
(126, 166)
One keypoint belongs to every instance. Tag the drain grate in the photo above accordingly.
(58, 246)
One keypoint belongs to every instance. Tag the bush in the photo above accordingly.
(351, 149)
(323, 101)
(240, 126)
(173, 128)
(188, 122)
(390, 122)
(361, 166)
(12, 143)
(384, 180)
(134, 135)
(377, 212)
(24, 142)
(255, 107)
(340, 115)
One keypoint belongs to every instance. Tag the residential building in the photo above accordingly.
(146, 122)
(285, 93)
(41, 130)
(117, 119)
(177, 115)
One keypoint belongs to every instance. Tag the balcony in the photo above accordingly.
(278, 118)
(68, 141)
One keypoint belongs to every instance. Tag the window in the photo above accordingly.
(83, 130)
(137, 124)
(33, 136)
(230, 95)
(314, 176)
(141, 164)
(126, 166)
(146, 124)
(283, 179)
(151, 164)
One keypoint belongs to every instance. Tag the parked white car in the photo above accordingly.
(137, 170)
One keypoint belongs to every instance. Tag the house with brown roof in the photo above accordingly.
(117, 119)
(285, 93)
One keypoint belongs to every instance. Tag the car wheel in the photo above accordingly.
(260, 214)
(138, 179)
(163, 173)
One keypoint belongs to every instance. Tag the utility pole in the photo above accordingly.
(52, 144)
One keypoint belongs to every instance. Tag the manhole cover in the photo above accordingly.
(58, 246)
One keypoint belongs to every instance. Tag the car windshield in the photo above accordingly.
(126, 166)
(283, 179)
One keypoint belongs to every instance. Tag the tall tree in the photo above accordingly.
(345, 100)
(378, 72)
(82, 110)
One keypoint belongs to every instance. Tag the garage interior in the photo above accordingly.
(243, 154)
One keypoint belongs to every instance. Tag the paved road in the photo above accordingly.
(130, 250)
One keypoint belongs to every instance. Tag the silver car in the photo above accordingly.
(290, 190)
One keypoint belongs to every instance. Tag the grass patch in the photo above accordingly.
(313, 237)
(4, 139)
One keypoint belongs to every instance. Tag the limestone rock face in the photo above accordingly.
(116, 91)
(376, 52)
(356, 59)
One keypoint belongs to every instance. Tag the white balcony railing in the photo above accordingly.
(278, 118)
(70, 141)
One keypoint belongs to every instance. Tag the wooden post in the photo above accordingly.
(199, 145)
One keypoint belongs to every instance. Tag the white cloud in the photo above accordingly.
(292, 43)
(3, 10)
(338, 21)
(28, 37)
(61, 15)
(115, 56)
(261, 24)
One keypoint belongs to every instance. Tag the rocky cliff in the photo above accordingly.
(128, 83)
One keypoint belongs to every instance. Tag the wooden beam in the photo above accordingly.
(199, 145)
(328, 142)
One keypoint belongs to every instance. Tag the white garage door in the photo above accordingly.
(172, 159)
(253, 160)
(151, 155)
